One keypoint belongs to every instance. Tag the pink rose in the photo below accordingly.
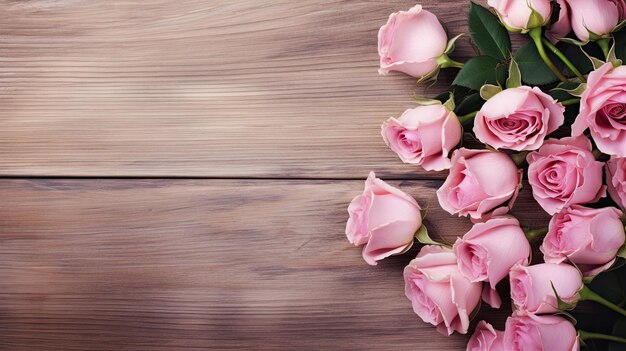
(486, 338)
(563, 173)
(383, 218)
(526, 332)
(488, 251)
(439, 293)
(424, 136)
(563, 26)
(597, 17)
(616, 180)
(518, 119)
(479, 184)
(411, 42)
(516, 14)
(531, 286)
(603, 109)
(587, 237)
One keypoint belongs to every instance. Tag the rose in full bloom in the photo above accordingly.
(525, 332)
(424, 136)
(563, 25)
(439, 293)
(563, 173)
(480, 184)
(411, 42)
(616, 180)
(532, 286)
(486, 338)
(383, 218)
(518, 119)
(517, 14)
(595, 17)
(603, 109)
(587, 237)
(488, 251)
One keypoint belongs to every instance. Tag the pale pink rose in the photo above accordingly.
(488, 251)
(383, 218)
(599, 17)
(616, 180)
(603, 109)
(528, 332)
(411, 42)
(480, 184)
(486, 338)
(439, 293)
(424, 136)
(531, 286)
(516, 14)
(518, 119)
(563, 26)
(563, 173)
(587, 237)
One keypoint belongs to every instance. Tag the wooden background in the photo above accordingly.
(175, 175)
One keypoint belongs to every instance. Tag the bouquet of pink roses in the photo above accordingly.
(552, 112)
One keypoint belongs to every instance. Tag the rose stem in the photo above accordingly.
(570, 102)
(532, 234)
(468, 117)
(444, 61)
(583, 335)
(565, 60)
(535, 34)
(588, 295)
(604, 45)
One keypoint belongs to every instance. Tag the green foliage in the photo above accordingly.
(620, 44)
(481, 70)
(534, 70)
(491, 38)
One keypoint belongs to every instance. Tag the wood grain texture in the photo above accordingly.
(204, 264)
(216, 88)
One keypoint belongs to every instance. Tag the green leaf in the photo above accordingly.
(534, 71)
(449, 104)
(578, 58)
(488, 90)
(490, 36)
(515, 76)
(423, 237)
(479, 71)
(469, 104)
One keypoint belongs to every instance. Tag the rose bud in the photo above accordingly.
(518, 119)
(479, 184)
(593, 19)
(486, 338)
(603, 109)
(424, 136)
(587, 237)
(563, 173)
(411, 42)
(563, 25)
(525, 332)
(439, 293)
(616, 180)
(533, 287)
(488, 251)
(383, 218)
(517, 15)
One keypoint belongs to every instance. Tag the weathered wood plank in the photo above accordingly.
(201, 264)
(215, 88)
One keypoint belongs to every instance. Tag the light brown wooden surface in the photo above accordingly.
(203, 264)
(215, 88)
(276, 103)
